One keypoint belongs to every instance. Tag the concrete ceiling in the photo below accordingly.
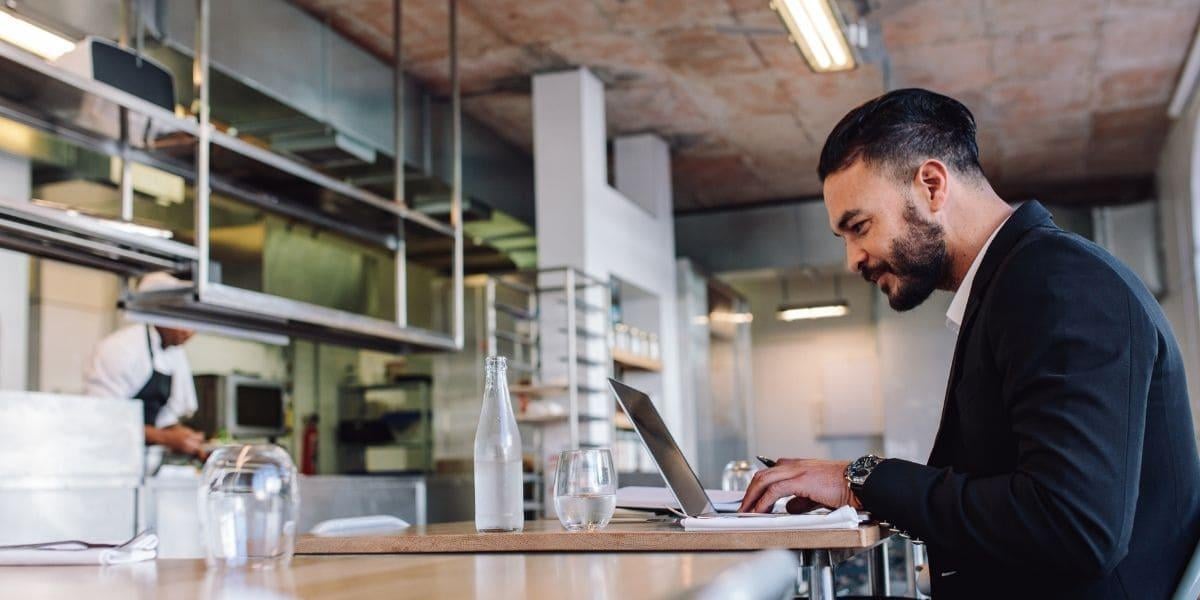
(1070, 95)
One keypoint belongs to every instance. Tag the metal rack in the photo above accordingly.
(51, 99)
(549, 322)
(358, 401)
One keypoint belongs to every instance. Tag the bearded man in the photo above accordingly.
(1065, 464)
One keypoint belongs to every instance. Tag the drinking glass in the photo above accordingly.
(585, 489)
(249, 500)
(737, 475)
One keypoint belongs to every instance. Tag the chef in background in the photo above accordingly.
(147, 363)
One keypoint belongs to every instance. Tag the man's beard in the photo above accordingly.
(918, 263)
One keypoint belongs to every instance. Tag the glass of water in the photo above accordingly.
(737, 475)
(585, 489)
(249, 500)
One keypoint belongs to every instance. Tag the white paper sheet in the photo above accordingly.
(842, 518)
(660, 498)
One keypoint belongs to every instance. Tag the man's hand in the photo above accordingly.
(178, 438)
(814, 483)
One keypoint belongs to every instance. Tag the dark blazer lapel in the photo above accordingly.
(1027, 216)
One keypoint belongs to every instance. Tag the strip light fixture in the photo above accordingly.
(815, 28)
(826, 310)
(33, 38)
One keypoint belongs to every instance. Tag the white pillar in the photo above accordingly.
(643, 172)
(569, 162)
(627, 234)
(14, 284)
(1179, 207)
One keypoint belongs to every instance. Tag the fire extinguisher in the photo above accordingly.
(308, 447)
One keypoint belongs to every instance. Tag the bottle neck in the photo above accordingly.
(495, 376)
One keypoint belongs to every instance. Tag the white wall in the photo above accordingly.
(915, 352)
(215, 354)
(873, 381)
(795, 364)
(74, 307)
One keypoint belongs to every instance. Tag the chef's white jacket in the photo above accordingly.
(121, 366)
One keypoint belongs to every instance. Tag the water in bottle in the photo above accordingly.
(498, 498)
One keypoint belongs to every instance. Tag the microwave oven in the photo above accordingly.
(240, 406)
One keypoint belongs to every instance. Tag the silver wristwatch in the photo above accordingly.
(858, 471)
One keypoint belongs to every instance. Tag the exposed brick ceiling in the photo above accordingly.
(1067, 93)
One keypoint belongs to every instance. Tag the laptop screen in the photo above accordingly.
(681, 479)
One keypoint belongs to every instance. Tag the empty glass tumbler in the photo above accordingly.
(737, 475)
(585, 489)
(249, 501)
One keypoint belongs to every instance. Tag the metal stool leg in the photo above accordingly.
(878, 572)
(820, 576)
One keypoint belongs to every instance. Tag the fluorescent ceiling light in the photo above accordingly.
(816, 30)
(30, 37)
(825, 310)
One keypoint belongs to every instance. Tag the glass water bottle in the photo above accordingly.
(498, 497)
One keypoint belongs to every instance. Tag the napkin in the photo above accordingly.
(842, 518)
(138, 549)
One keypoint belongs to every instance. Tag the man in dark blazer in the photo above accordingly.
(1065, 465)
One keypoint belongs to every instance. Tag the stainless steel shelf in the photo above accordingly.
(87, 241)
(515, 338)
(61, 103)
(228, 305)
(514, 311)
(51, 91)
(584, 333)
(584, 306)
(291, 167)
(57, 90)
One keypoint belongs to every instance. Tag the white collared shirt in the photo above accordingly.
(122, 364)
(958, 305)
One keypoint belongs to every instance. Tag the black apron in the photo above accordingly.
(156, 392)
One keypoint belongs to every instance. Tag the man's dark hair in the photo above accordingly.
(900, 129)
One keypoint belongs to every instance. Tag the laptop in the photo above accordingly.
(680, 477)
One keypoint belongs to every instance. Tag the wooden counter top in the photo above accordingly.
(549, 536)
(490, 576)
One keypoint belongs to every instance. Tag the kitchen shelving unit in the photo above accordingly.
(400, 412)
(185, 143)
(551, 325)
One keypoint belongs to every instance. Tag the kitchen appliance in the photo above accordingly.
(240, 406)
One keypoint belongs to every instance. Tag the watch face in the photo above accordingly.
(861, 468)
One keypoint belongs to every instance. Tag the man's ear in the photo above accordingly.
(933, 183)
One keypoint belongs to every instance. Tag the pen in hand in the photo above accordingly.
(766, 461)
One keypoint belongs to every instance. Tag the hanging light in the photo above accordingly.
(825, 310)
(791, 311)
(816, 30)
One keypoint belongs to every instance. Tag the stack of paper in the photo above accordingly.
(842, 518)
(661, 498)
